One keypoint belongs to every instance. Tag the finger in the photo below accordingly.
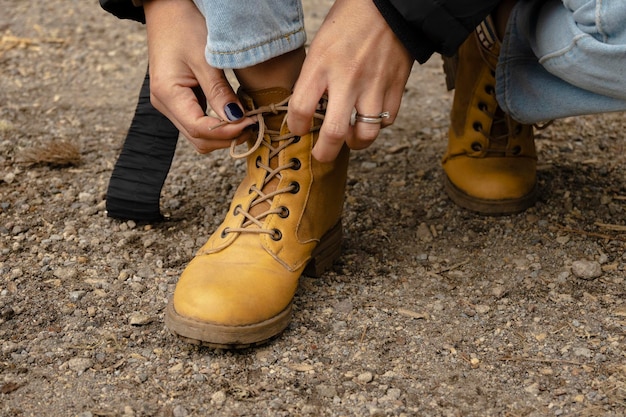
(369, 106)
(336, 128)
(304, 101)
(204, 146)
(220, 95)
(193, 123)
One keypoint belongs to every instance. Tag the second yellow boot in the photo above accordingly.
(285, 216)
(491, 162)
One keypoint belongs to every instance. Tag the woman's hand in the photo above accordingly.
(359, 62)
(176, 40)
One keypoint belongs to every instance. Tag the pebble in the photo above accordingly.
(79, 365)
(9, 178)
(586, 269)
(326, 391)
(218, 398)
(77, 295)
(65, 273)
(562, 239)
(423, 233)
(85, 197)
(180, 411)
(482, 309)
(583, 352)
(140, 319)
(365, 377)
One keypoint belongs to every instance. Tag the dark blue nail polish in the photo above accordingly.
(233, 112)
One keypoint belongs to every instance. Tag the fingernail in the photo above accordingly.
(233, 112)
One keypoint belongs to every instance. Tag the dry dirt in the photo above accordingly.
(431, 310)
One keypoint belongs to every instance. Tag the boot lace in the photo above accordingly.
(276, 143)
(500, 121)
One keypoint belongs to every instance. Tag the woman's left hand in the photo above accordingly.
(359, 62)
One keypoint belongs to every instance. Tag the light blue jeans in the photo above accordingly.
(563, 58)
(242, 33)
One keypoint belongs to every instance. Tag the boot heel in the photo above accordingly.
(326, 253)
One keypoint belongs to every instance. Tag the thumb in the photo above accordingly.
(220, 95)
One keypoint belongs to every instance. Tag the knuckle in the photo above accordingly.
(335, 132)
(220, 88)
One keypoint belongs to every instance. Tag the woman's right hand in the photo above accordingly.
(176, 41)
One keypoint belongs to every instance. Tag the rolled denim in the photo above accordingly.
(243, 33)
(562, 58)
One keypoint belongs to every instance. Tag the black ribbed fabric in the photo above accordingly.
(140, 171)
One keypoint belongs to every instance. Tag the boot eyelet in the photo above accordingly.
(517, 130)
(478, 126)
(224, 233)
(236, 210)
(517, 150)
(257, 162)
(284, 212)
(492, 72)
(276, 235)
(483, 107)
(489, 89)
(477, 147)
(295, 139)
(295, 187)
(295, 164)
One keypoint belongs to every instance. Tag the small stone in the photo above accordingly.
(482, 309)
(85, 197)
(586, 269)
(498, 291)
(180, 411)
(365, 377)
(65, 273)
(77, 295)
(423, 233)
(140, 319)
(9, 347)
(9, 178)
(562, 239)
(79, 365)
(394, 393)
(532, 388)
(218, 398)
(583, 352)
(326, 391)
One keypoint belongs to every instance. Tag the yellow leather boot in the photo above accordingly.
(285, 216)
(491, 162)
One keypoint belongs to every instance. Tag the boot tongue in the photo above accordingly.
(260, 98)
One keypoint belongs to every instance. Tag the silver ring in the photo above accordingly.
(373, 119)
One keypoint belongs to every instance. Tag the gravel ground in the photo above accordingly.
(431, 310)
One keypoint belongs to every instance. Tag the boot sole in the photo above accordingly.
(490, 207)
(240, 337)
(225, 337)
